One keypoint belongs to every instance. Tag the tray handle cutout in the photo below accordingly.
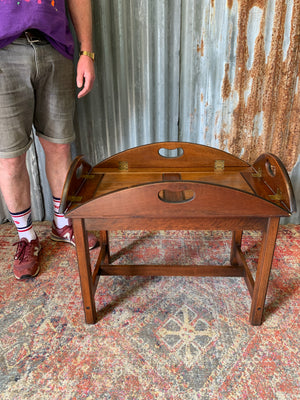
(171, 153)
(181, 196)
(79, 171)
(270, 168)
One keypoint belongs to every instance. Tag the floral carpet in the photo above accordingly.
(168, 338)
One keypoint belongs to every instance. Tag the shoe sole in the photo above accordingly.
(64, 240)
(61, 239)
(23, 277)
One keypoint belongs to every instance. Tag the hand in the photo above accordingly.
(85, 75)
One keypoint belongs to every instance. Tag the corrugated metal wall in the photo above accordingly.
(224, 73)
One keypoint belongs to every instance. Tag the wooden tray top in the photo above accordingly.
(177, 178)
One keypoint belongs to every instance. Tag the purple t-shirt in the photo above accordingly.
(48, 16)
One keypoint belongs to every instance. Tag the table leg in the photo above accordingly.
(104, 242)
(85, 271)
(263, 270)
(235, 244)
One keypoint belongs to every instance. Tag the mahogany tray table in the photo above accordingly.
(177, 186)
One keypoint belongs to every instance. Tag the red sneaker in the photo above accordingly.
(26, 259)
(66, 235)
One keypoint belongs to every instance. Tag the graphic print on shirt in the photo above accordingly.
(19, 2)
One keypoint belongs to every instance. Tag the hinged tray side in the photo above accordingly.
(172, 154)
(80, 173)
(270, 180)
(196, 199)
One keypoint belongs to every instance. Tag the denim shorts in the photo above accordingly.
(37, 87)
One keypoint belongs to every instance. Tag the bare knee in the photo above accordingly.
(13, 167)
(55, 148)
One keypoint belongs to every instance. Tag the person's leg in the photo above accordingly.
(16, 115)
(57, 162)
(55, 100)
(53, 119)
(14, 183)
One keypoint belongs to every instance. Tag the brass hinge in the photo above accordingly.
(277, 196)
(123, 165)
(74, 199)
(257, 174)
(219, 165)
(88, 176)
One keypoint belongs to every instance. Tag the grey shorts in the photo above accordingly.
(37, 87)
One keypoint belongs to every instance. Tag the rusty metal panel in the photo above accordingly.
(240, 93)
(240, 78)
(224, 73)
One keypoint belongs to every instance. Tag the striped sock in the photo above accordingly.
(23, 222)
(59, 219)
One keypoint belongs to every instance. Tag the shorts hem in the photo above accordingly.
(66, 140)
(15, 153)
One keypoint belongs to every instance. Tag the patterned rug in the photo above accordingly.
(168, 338)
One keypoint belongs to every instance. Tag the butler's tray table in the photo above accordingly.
(177, 186)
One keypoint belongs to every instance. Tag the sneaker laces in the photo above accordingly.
(21, 252)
